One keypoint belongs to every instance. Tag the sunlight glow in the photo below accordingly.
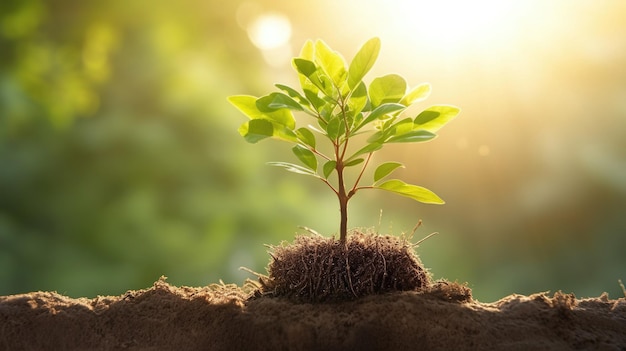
(451, 25)
(452, 22)
(270, 31)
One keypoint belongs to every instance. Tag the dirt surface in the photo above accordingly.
(225, 317)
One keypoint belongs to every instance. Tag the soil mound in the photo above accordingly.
(316, 268)
(224, 317)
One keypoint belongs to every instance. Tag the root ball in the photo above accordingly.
(316, 268)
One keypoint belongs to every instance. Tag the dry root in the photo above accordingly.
(316, 268)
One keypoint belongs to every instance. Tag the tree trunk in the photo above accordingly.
(343, 205)
(343, 226)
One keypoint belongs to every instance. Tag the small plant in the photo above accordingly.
(344, 107)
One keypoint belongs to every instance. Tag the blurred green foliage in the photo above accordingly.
(118, 159)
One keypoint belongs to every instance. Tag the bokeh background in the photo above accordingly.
(120, 160)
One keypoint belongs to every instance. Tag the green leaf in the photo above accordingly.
(285, 134)
(294, 94)
(282, 117)
(414, 136)
(435, 117)
(294, 168)
(306, 157)
(276, 101)
(315, 129)
(401, 127)
(256, 130)
(358, 99)
(363, 62)
(414, 192)
(316, 76)
(325, 84)
(381, 111)
(354, 162)
(326, 111)
(358, 121)
(316, 101)
(389, 130)
(417, 94)
(331, 62)
(367, 149)
(308, 50)
(308, 69)
(385, 169)
(307, 87)
(387, 89)
(328, 168)
(335, 127)
(248, 105)
(378, 137)
(306, 136)
(305, 67)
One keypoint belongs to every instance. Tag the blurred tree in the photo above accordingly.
(118, 162)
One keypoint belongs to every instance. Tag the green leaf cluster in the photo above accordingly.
(342, 105)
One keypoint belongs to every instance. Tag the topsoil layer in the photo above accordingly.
(224, 317)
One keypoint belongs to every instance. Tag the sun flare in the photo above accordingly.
(270, 31)
(453, 22)
(452, 26)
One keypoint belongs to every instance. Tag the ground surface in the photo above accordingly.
(223, 317)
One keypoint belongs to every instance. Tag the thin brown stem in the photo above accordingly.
(329, 185)
(356, 183)
(313, 150)
(364, 187)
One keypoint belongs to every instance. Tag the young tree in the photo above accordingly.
(343, 106)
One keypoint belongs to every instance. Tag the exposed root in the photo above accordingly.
(312, 231)
(424, 239)
(316, 268)
(419, 224)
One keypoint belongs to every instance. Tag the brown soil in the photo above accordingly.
(226, 317)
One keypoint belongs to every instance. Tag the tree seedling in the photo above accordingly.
(342, 107)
